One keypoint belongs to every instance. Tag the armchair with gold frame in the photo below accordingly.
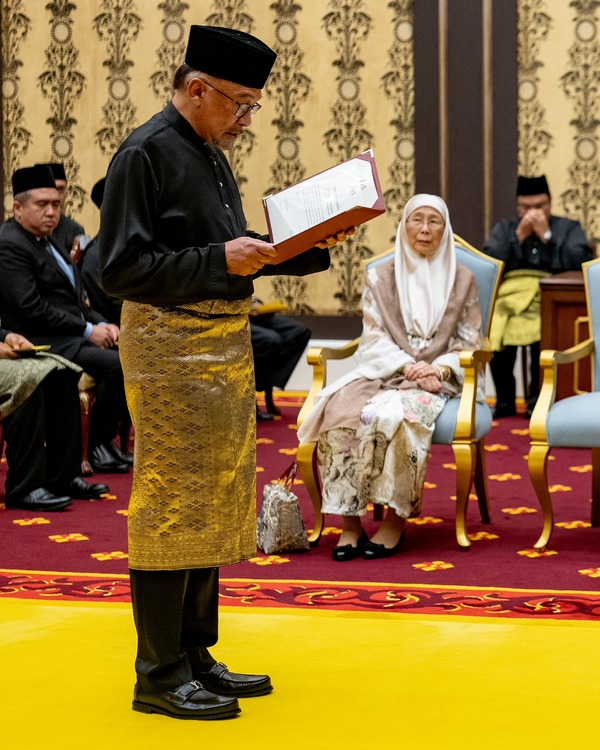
(572, 422)
(463, 423)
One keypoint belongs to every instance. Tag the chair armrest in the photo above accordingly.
(471, 360)
(549, 361)
(317, 357)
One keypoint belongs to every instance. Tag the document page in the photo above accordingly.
(317, 199)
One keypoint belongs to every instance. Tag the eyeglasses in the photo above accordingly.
(242, 109)
(419, 221)
(533, 204)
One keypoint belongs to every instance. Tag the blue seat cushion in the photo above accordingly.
(445, 425)
(574, 422)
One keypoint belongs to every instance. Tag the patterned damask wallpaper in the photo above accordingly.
(79, 75)
(559, 103)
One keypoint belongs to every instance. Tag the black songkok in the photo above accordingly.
(98, 192)
(532, 185)
(230, 54)
(31, 178)
(58, 170)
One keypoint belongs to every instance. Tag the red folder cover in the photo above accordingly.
(319, 206)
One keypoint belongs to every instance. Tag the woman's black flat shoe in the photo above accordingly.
(348, 551)
(373, 551)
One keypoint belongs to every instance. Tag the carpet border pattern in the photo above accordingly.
(327, 596)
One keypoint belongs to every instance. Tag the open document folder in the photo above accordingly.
(334, 200)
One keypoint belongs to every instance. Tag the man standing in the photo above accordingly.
(42, 297)
(67, 229)
(41, 420)
(533, 245)
(175, 246)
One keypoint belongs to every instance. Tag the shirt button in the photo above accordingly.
(227, 205)
(220, 184)
(534, 251)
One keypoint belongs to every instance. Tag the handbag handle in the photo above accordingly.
(288, 476)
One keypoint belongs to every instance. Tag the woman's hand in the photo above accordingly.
(430, 383)
(418, 370)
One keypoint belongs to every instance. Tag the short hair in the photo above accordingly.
(183, 74)
(23, 196)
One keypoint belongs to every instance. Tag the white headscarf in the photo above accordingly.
(424, 284)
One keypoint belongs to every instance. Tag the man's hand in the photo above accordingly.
(525, 227)
(334, 239)
(246, 255)
(534, 221)
(104, 336)
(16, 341)
(7, 352)
(539, 222)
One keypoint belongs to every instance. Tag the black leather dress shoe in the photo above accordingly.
(79, 489)
(103, 461)
(124, 458)
(218, 679)
(373, 551)
(40, 499)
(188, 701)
(262, 416)
(345, 552)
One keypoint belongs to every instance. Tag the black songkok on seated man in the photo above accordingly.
(31, 178)
(532, 185)
(58, 170)
(229, 54)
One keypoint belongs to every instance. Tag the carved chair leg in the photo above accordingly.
(480, 480)
(595, 486)
(307, 464)
(464, 455)
(378, 512)
(537, 461)
(86, 400)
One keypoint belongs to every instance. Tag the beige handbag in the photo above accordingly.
(279, 526)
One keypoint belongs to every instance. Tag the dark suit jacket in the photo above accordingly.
(66, 231)
(37, 298)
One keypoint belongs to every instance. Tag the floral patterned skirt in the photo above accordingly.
(385, 458)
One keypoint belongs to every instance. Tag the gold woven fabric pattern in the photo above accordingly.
(189, 381)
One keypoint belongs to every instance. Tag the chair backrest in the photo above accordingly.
(487, 272)
(591, 279)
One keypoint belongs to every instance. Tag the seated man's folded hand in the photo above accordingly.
(14, 342)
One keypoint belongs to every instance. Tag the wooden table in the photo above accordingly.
(563, 302)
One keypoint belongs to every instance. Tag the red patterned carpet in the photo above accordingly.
(81, 554)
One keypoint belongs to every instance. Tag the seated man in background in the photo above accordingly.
(534, 244)
(278, 342)
(42, 297)
(67, 229)
(41, 421)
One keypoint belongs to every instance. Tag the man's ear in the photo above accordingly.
(196, 89)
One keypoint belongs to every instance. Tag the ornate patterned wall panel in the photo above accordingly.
(559, 105)
(78, 75)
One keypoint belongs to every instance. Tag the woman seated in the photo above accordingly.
(374, 425)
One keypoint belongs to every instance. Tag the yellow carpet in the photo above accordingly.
(342, 680)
